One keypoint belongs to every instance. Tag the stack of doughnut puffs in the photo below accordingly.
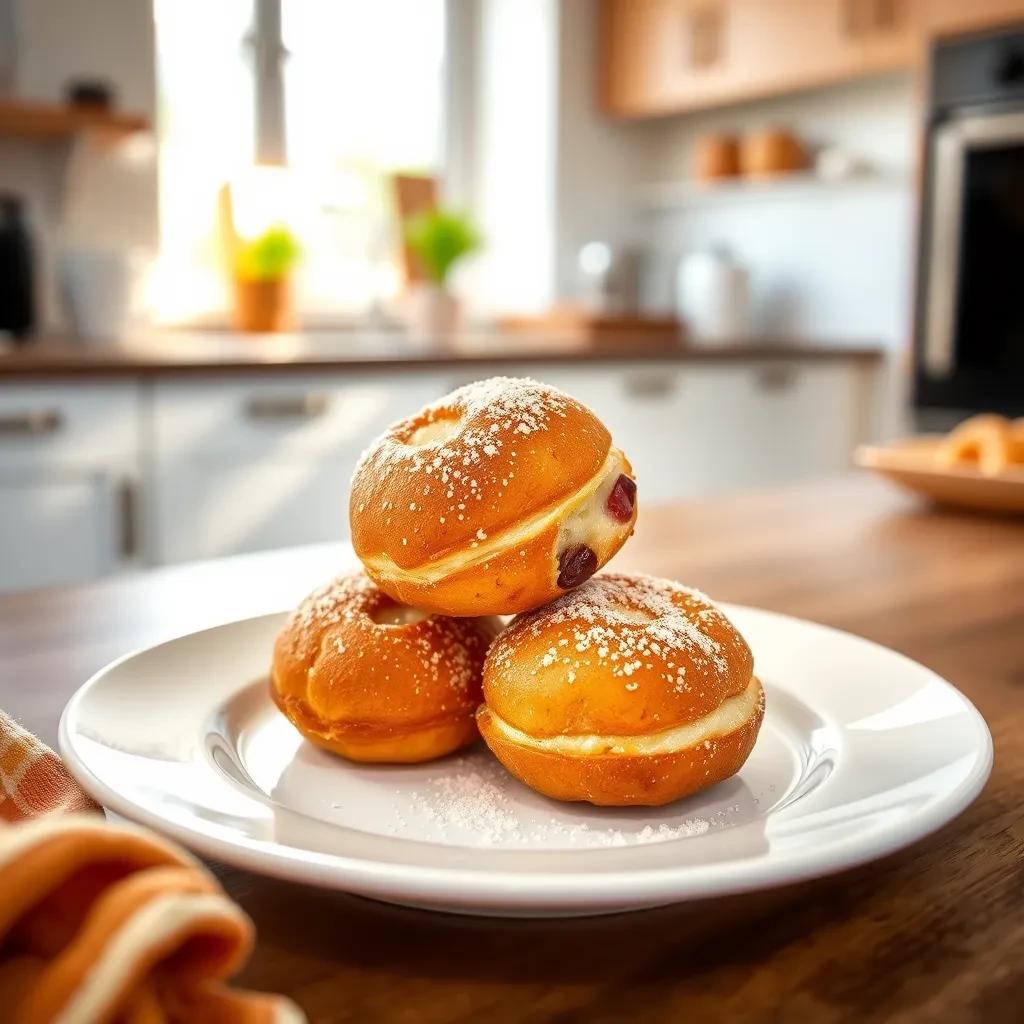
(504, 499)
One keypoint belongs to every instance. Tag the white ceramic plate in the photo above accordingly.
(862, 752)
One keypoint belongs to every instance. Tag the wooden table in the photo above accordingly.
(933, 933)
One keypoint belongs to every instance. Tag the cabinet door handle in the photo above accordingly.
(287, 407)
(703, 33)
(775, 377)
(129, 520)
(35, 423)
(854, 18)
(886, 15)
(651, 385)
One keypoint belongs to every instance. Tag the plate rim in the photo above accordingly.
(545, 891)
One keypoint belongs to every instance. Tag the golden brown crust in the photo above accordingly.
(621, 780)
(623, 655)
(518, 447)
(627, 690)
(379, 744)
(374, 691)
(520, 569)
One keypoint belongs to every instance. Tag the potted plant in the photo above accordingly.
(438, 239)
(262, 280)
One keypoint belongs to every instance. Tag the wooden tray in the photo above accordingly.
(599, 331)
(911, 464)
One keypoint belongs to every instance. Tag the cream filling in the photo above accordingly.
(732, 713)
(516, 536)
(590, 522)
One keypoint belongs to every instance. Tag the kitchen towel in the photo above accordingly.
(103, 922)
(33, 779)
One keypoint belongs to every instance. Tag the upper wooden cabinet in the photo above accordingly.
(949, 17)
(667, 56)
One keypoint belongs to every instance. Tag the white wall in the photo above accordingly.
(829, 263)
(599, 161)
(825, 263)
(549, 171)
(513, 176)
(82, 194)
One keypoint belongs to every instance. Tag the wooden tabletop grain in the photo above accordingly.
(933, 933)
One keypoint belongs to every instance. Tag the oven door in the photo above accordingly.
(972, 339)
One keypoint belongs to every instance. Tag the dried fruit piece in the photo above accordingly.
(576, 565)
(622, 499)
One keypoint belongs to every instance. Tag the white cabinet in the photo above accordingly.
(246, 464)
(68, 471)
(775, 422)
(693, 429)
(645, 410)
(57, 530)
(199, 468)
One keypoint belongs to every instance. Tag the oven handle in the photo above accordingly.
(943, 250)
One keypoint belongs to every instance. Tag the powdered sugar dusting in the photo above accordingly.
(517, 405)
(625, 625)
(453, 483)
(473, 802)
(469, 799)
(339, 618)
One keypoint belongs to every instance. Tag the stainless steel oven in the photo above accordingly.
(970, 302)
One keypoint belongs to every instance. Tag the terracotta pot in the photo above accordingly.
(433, 313)
(774, 151)
(263, 306)
(716, 156)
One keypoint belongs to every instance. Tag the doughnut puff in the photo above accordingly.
(373, 680)
(493, 500)
(627, 690)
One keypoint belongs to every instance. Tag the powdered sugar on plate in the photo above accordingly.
(474, 802)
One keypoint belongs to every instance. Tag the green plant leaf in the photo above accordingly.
(440, 238)
(268, 257)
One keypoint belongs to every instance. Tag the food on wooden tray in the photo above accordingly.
(493, 500)
(626, 690)
(993, 443)
(375, 680)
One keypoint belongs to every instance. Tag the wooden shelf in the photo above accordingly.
(27, 120)
(678, 194)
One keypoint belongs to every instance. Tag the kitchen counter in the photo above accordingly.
(179, 353)
(930, 933)
(169, 451)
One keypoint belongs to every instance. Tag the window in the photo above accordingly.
(363, 97)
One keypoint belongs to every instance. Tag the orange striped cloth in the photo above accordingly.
(33, 779)
(109, 924)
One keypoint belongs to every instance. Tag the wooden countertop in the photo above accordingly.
(932, 933)
(183, 353)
